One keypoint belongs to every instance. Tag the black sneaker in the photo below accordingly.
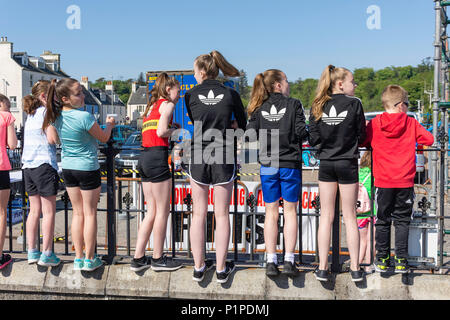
(381, 265)
(165, 264)
(140, 264)
(222, 277)
(5, 260)
(357, 276)
(321, 275)
(272, 270)
(200, 275)
(289, 269)
(401, 265)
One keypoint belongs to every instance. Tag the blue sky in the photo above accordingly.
(120, 39)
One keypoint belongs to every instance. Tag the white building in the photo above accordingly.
(137, 103)
(19, 72)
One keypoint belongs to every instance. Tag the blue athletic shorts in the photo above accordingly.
(280, 183)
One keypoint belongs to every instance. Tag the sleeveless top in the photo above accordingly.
(150, 126)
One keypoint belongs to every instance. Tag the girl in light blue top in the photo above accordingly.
(78, 132)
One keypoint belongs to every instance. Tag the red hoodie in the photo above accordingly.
(393, 137)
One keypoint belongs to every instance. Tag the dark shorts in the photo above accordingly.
(85, 180)
(340, 171)
(42, 181)
(153, 165)
(211, 174)
(5, 182)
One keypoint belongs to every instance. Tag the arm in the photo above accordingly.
(369, 134)
(423, 136)
(187, 97)
(253, 124)
(300, 122)
(102, 135)
(239, 111)
(361, 124)
(166, 111)
(52, 135)
(314, 132)
(12, 138)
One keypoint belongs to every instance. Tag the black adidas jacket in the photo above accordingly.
(212, 104)
(284, 120)
(340, 130)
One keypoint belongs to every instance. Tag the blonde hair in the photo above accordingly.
(392, 95)
(263, 85)
(159, 90)
(213, 62)
(32, 102)
(328, 79)
(366, 160)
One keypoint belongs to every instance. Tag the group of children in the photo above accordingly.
(337, 128)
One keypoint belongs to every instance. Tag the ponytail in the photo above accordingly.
(57, 90)
(329, 77)
(32, 102)
(214, 62)
(159, 90)
(262, 86)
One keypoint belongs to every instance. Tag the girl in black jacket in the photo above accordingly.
(283, 119)
(337, 127)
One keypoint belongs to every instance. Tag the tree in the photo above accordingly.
(141, 79)
(243, 86)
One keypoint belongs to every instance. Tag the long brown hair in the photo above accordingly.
(366, 160)
(56, 91)
(159, 90)
(213, 62)
(328, 79)
(32, 101)
(263, 85)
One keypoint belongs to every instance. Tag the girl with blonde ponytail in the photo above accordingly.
(337, 127)
(211, 106)
(270, 109)
(40, 172)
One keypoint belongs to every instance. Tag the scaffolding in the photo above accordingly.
(441, 106)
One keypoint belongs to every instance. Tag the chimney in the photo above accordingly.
(109, 86)
(133, 87)
(6, 48)
(85, 83)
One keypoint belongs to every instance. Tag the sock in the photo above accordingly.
(32, 250)
(272, 258)
(201, 269)
(48, 253)
(289, 257)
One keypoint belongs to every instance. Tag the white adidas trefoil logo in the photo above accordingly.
(333, 118)
(274, 114)
(211, 100)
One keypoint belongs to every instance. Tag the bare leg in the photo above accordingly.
(33, 221)
(162, 190)
(48, 222)
(4, 199)
(222, 198)
(349, 195)
(271, 227)
(290, 226)
(90, 201)
(77, 220)
(197, 232)
(146, 227)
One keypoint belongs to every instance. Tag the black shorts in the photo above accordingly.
(86, 180)
(153, 165)
(5, 182)
(42, 181)
(211, 174)
(341, 171)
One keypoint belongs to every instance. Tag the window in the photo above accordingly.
(31, 80)
(13, 101)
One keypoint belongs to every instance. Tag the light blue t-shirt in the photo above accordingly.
(79, 148)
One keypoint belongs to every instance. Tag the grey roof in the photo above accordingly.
(17, 57)
(97, 92)
(89, 98)
(139, 97)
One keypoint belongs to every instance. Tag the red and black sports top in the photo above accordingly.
(149, 127)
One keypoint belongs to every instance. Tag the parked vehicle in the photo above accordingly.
(120, 133)
(130, 151)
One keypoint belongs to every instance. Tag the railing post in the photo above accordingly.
(110, 151)
(65, 198)
(443, 138)
(335, 262)
(235, 191)
(174, 230)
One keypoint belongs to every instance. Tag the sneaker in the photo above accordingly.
(165, 264)
(6, 259)
(91, 265)
(33, 257)
(381, 265)
(321, 275)
(401, 265)
(78, 264)
(51, 261)
(222, 277)
(140, 264)
(200, 275)
(272, 270)
(289, 269)
(357, 276)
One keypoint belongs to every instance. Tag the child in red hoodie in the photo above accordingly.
(393, 137)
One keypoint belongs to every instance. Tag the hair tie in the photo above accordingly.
(332, 68)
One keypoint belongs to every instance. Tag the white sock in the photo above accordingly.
(272, 258)
(289, 257)
(48, 253)
(201, 269)
(32, 250)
